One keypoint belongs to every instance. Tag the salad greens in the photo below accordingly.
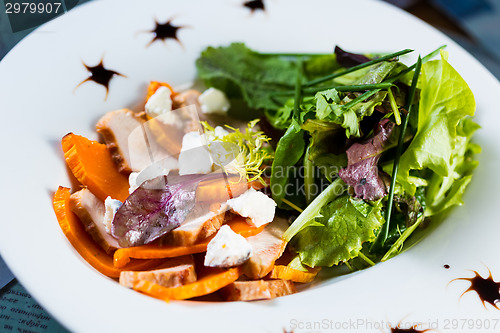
(343, 226)
(346, 121)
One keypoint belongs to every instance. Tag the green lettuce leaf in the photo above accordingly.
(321, 153)
(445, 99)
(347, 224)
(321, 65)
(445, 192)
(330, 107)
(241, 72)
(289, 150)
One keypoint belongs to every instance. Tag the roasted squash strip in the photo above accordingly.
(91, 163)
(152, 251)
(154, 85)
(287, 273)
(203, 286)
(222, 189)
(85, 245)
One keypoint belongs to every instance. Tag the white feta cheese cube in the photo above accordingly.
(159, 168)
(214, 101)
(192, 140)
(194, 157)
(159, 103)
(111, 207)
(255, 205)
(227, 249)
(132, 181)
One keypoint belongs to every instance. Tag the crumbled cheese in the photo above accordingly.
(111, 206)
(218, 134)
(194, 157)
(255, 205)
(227, 249)
(132, 181)
(214, 101)
(159, 168)
(159, 103)
(192, 140)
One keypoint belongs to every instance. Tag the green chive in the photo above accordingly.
(355, 68)
(291, 204)
(400, 241)
(366, 259)
(394, 107)
(298, 91)
(409, 69)
(360, 98)
(384, 233)
(356, 87)
(294, 54)
(308, 176)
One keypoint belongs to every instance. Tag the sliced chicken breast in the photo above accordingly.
(133, 143)
(116, 128)
(259, 289)
(91, 212)
(201, 223)
(267, 246)
(173, 273)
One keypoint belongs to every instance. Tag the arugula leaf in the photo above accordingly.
(241, 72)
(346, 112)
(327, 101)
(289, 150)
(445, 99)
(282, 118)
(347, 224)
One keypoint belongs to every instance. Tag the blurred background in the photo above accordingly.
(474, 24)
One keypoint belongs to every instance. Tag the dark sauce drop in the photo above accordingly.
(253, 5)
(407, 330)
(487, 289)
(446, 266)
(100, 75)
(164, 31)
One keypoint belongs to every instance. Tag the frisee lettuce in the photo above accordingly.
(247, 150)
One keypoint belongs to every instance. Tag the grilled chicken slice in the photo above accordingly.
(201, 223)
(259, 289)
(267, 246)
(116, 128)
(185, 99)
(134, 142)
(173, 273)
(91, 211)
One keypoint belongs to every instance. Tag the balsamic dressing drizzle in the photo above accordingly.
(407, 330)
(164, 31)
(487, 289)
(100, 75)
(254, 5)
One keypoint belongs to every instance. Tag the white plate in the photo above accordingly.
(37, 79)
